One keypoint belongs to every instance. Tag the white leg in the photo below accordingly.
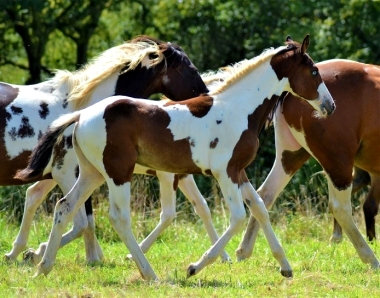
(342, 211)
(258, 210)
(337, 234)
(233, 198)
(64, 213)
(268, 191)
(80, 224)
(168, 209)
(89, 179)
(94, 252)
(35, 194)
(120, 218)
(190, 190)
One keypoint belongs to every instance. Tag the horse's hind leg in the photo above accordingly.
(342, 211)
(89, 179)
(190, 190)
(168, 209)
(94, 252)
(120, 218)
(361, 179)
(337, 234)
(35, 194)
(371, 207)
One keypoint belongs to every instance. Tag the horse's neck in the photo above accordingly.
(140, 82)
(104, 89)
(250, 91)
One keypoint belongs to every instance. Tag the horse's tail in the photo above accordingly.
(42, 153)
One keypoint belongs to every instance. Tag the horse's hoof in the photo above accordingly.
(287, 273)
(226, 258)
(241, 255)
(191, 270)
(29, 256)
(336, 239)
(44, 268)
(7, 258)
(129, 257)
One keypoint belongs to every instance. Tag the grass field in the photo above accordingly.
(320, 269)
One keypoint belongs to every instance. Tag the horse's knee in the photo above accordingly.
(167, 217)
(237, 218)
(63, 212)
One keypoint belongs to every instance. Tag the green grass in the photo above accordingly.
(320, 269)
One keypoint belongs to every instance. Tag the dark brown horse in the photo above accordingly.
(215, 134)
(351, 136)
(138, 68)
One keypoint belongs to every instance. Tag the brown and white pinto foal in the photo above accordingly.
(351, 136)
(139, 68)
(214, 134)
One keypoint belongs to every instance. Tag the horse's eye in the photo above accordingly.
(314, 72)
(153, 56)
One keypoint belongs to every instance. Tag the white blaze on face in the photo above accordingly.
(324, 100)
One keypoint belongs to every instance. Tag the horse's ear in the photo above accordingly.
(305, 44)
(171, 49)
(288, 38)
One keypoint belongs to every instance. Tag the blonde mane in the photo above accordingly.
(126, 57)
(220, 80)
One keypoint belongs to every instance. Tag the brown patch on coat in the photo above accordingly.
(10, 166)
(208, 172)
(151, 172)
(16, 110)
(44, 110)
(137, 133)
(292, 161)
(59, 152)
(214, 143)
(175, 182)
(198, 106)
(246, 148)
(23, 131)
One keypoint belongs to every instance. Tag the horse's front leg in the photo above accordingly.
(337, 233)
(258, 211)
(233, 199)
(35, 194)
(268, 191)
(190, 190)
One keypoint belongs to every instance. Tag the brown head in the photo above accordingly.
(175, 75)
(303, 75)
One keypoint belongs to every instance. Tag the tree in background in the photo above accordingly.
(34, 21)
(213, 32)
